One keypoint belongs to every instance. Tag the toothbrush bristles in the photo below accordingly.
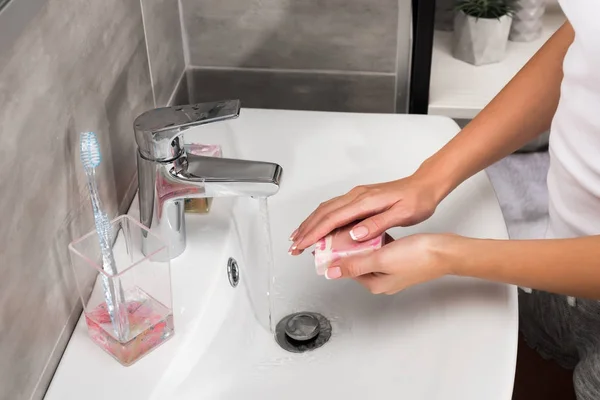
(89, 150)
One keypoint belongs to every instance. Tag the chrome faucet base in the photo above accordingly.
(167, 175)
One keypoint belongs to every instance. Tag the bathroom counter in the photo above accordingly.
(453, 338)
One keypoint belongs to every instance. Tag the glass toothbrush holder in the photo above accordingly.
(143, 320)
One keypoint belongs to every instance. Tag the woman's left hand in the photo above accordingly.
(398, 265)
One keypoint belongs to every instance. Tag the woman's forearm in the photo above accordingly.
(566, 266)
(519, 113)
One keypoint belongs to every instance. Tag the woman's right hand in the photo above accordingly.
(381, 206)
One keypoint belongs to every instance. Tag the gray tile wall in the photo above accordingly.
(296, 90)
(309, 54)
(345, 35)
(165, 47)
(79, 65)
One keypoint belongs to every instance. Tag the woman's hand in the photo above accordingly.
(398, 265)
(404, 202)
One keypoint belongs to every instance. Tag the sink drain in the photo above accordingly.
(302, 331)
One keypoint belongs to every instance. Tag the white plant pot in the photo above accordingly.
(527, 22)
(480, 41)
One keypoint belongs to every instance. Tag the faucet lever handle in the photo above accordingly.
(158, 131)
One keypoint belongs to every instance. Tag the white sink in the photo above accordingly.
(453, 338)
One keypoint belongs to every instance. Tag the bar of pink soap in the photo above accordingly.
(210, 150)
(338, 244)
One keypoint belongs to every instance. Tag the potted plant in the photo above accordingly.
(527, 22)
(481, 29)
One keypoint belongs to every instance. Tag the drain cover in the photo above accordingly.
(302, 327)
(302, 332)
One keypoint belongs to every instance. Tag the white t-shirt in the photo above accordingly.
(574, 175)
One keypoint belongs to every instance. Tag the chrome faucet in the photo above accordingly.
(167, 174)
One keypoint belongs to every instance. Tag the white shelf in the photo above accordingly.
(461, 90)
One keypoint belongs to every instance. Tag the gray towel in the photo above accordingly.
(520, 184)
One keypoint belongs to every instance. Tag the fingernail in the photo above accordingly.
(359, 232)
(333, 273)
(292, 248)
(293, 235)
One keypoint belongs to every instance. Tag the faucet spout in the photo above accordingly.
(231, 177)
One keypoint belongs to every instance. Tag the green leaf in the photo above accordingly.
(492, 9)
